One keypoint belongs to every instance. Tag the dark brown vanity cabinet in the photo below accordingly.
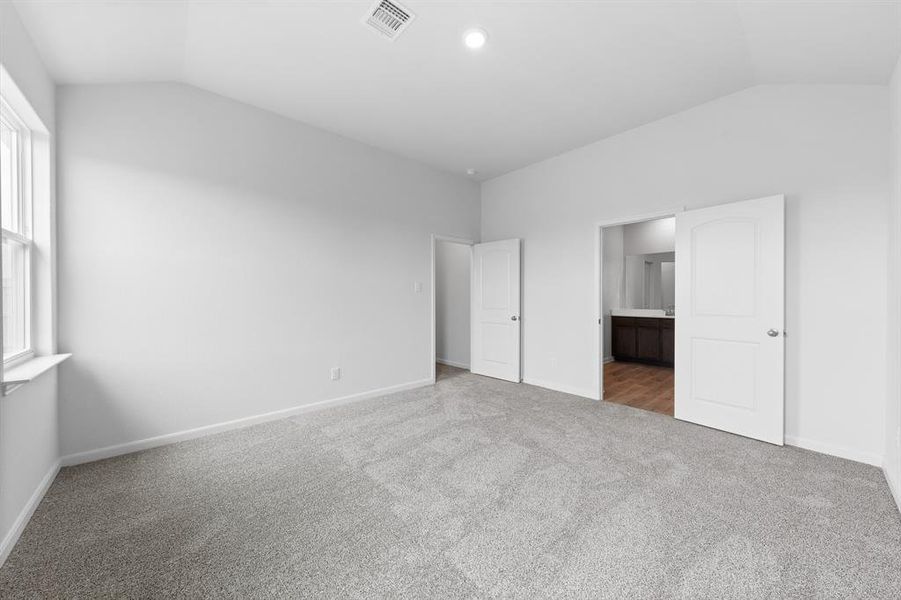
(643, 339)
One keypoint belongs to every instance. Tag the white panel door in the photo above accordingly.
(730, 305)
(495, 310)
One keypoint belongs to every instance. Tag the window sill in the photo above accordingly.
(16, 376)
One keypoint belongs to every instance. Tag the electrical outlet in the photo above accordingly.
(417, 287)
(335, 373)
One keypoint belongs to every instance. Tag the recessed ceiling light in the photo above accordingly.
(471, 172)
(475, 38)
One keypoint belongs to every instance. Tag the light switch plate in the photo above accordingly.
(417, 287)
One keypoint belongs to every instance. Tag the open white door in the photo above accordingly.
(495, 310)
(730, 309)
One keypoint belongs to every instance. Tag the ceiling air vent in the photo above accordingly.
(388, 18)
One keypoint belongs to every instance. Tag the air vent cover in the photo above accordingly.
(388, 18)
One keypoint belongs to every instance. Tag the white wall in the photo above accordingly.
(29, 451)
(893, 323)
(452, 264)
(217, 260)
(825, 147)
(650, 237)
(614, 263)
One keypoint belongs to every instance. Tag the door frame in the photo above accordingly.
(435, 238)
(599, 284)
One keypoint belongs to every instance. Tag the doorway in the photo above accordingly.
(723, 334)
(451, 327)
(638, 314)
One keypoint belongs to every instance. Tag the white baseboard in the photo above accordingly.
(560, 387)
(608, 359)
(12, 536)
(894, 485)
(188, 434)
(452, 363)
(839, 451)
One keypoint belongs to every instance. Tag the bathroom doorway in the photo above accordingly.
(638, 314)
(720, 345)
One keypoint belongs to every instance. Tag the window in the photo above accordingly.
(18, 245)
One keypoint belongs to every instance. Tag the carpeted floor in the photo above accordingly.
(474, 488)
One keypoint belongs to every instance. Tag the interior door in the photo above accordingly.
(730, 297)
(495, 310)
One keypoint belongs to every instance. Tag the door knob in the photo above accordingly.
(514, 318)
(772, 333)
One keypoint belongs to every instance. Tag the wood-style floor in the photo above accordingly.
(641, 386)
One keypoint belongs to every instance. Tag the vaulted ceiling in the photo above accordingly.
(554, 75)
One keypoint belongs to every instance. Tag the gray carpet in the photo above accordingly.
(473, 488)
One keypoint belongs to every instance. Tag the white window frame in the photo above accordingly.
(25, 235)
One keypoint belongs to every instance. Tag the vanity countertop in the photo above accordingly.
(641, 312)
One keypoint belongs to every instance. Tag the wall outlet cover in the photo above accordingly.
(335, 373)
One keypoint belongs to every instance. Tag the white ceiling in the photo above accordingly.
(554, 75)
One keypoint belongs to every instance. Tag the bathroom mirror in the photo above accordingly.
(649, 281)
